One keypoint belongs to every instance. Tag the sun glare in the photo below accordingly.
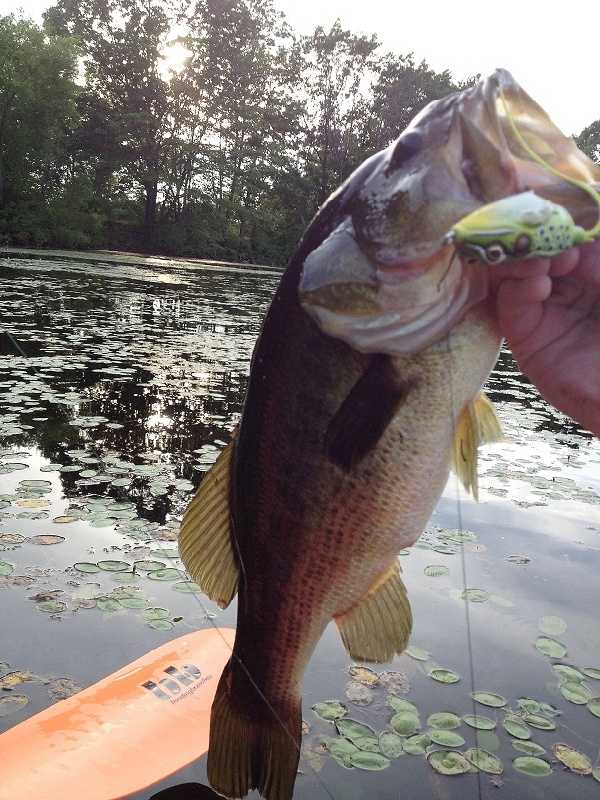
(175, 57)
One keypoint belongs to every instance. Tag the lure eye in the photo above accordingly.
(494, 253)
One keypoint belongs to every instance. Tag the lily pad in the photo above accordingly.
(550, 647)
(417, 653)
(448, 762)
(369, 761)
(568, 673)
(363, 675)
(444, 675)
(155, 613)
(52, 606)
(405, 723)
(167, 574)
(444, 720)
(489, 699)
(390, 744)
(161, 624)
(537, 721)
(592, 672)
(531, 748)
(358, 693)
(108, 604)
(531, 765)
(594, 706)
(446, 738)
(480, 723)
(530, 706)
(187, 586)
(401, 704)
(576, 693)
(416, 745)
(573, 759)
(553, 626)
(46, 538)
(6, 568)
(516, 728)
(149, 565)
(436, 571)
(484, 761)
(111, 565)
(330, 710)
(12, 703)
(475, 595)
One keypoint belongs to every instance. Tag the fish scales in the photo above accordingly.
(364, 388)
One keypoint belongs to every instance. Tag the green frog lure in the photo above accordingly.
(522, 225)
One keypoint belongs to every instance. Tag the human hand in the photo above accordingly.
(548, 311)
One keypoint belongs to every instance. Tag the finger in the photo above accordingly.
(519, 306)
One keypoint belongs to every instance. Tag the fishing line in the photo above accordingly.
(463, 560)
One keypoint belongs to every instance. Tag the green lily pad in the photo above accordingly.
(125, 577)
(436, 571)
(161, 624)
(516, 728)
(155, 613)
(405, 723)
(417, 653)
(416, 745)
(480, 723)
(531, 706)
(592, 672)
(134, 602)
(568, 673)
(187, 586)
(444, 675)
(400, 704)
(167, 574)
(484, 761)
(572, 759)
(549, 710)
(537, 721)
(443, 720)
(550, 647)
(86, 566)
(531, 765)
(330, 710)
(448, 762)
(149, 565)
(114, 566)
(108, 604)
(576, 693)
(353, 730)
(531, 748)
(6, 568)
(446, 738)
(594, 706)
(369, 761)
(390, 744)
(489, 699)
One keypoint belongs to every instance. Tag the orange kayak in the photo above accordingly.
(128, 731)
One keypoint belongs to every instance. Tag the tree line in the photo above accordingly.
(106, 142)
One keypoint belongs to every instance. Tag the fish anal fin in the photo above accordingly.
(365, 413)
(379, 625)
(251, 750)
(478, 424)
(205, 538)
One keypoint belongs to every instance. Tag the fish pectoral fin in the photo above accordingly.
(478, 424)
(206, 535)
(364, 415)
(379, 625)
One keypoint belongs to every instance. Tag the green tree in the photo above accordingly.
(589, 141)
(37, 115)
(338, 70)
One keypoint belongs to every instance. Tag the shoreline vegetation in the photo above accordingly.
(211, 130)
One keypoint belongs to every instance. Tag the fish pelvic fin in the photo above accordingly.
(478, 424)
(205, 538)
(250, 749)
(379, 625)
(368, 409)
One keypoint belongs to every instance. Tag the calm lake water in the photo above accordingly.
(120, 382)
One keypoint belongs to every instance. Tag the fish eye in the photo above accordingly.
(494, 253)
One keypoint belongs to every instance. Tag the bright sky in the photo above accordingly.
(550, 49)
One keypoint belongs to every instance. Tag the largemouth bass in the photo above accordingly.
(365, 387)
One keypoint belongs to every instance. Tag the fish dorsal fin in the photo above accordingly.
(379, 625)
(364, 415)
(478, 424)
(205, 538)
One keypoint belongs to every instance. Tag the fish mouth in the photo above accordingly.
(384, 260)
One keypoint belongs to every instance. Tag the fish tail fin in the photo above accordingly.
(251, 747)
